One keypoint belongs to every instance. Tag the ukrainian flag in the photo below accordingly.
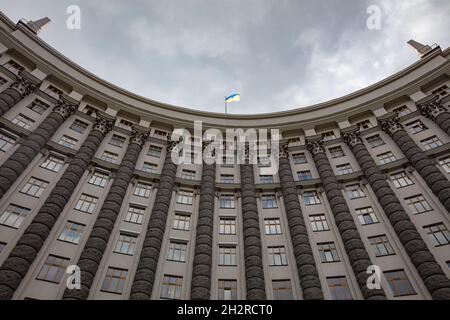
(233, 97)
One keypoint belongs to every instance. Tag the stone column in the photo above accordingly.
(19, 89)
(254, 270)
(431, 107)
(148, 261)
(426, 167)
(97, 242)
(354, 246)
(30, 243)
(201, 270)
(13, 167)
(421, 257)
(304, 258)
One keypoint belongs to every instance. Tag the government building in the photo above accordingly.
(88, 187)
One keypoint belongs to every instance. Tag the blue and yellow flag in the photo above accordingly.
(233, 97)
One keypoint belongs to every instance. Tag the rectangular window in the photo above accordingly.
(13, 66)
(171, 287)
(99, 179)
(304, 175)
(227, 226)
(319, 222)
(109, 156)
(354, 191)
(386, 157)
(161, 134)
(282, 290)
(23, 121)
(149, 167)
(188, 174)
(438, 234)
(339, 289)
(227, 256)
(34, 187)
(441, 91)
(142, 190)
(38, 106)
(182, 222)
(345, 168)
(401, 179)
(299, 158)
(177, 251)
(366, 216)
(185, 197)
(364, 125)
(431, 143)
(226, 178)
(227, 201)
(79, 126)
(124, 124)
(114, 280)
(311, 198)
(53, 269)
(399, 283)
(417, 204)
(6, 142)
(135, 214)
(154, 151)
(53, 163)
(329, 135)
(445, 164)
(53, 92)
(272, 226)
(227, 290)
(375, 141)
(416, 127)
(117, 141)
(294, 140)
(269, 201)
(72, 232)
(67, 141)
(277, 256)
(336, 152)
(328, 252)
(266, 179)
(86, 203)
(126, 244)
(381, 246)
(401, 111)
(13, 216)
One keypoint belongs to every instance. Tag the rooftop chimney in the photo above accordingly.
(35, 26)
(422, 49)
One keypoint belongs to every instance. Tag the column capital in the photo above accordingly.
(24, 85)
(430, 107)
(65, 108)
(139, 135)
(171, 145)
(315, 144)
(103, 122)
(283, 150)
(351, 136)
(390, 123)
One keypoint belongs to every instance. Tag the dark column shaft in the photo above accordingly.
(429, 270)
(13, 167)
(201, 270)
(426, 167)
(432, 108)
(354, 246)
(306, 265)
(254, 270)
(95, 246)
(18, 90)
(30, 243)
(148, 261)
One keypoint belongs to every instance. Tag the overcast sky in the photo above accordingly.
(278, 54)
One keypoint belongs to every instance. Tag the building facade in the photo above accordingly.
(86, 179)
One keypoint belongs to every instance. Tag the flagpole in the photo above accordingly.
(225, 104)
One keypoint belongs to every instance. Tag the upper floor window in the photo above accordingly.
(182, 221)
(438, 234)
(375, 141)
(109, 156)
(431, 142)
(329, 135)
(114, 280)
(135, 214)
(339, 289)
(23, 121)
(188, 174)
(227, 225)
(277, 256)
(185, 197)
(227, 256)
(354, 191)
(53, 92)
(336, 152)
(269, 201)
(381, 246)
(99, 178)
(441, 91)
(401, 111)
(401, 179)
(177, 251)
(154, 151)
(125, 124)
(6, 142)
(38, 106)
(282, 290)
(67, 141)
(445, 164)
(72, 232)
(272, 226)
(13, 216)
(416, 126)
(386, 157)
(53, 163)
(364, 125)
(345, 168)
(304, 175)
(399, 283)
(86, 203)
(90, 111)
(161, 134)
(319, 222)
(53, 269)
(417, 204)
(227, 201)
(226, 178)
(294, 140)
(171, 287)
(328, 252)
(150, 167)
(142, 190)
(299, 158)
(126, 243)
(366, 216)
(117, 141)
(13, 66)
(266, 178)
(34, 187)
(79, 126)
(311, 198)
(227, 290)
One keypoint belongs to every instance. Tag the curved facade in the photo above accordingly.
(87, 180)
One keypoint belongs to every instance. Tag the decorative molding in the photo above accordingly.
(283, 150)
(315, 145)
(390, 124)
(431, 108)
(65, 108)
(24, 85)
(351, 136)
(103, 122)
(139, 135)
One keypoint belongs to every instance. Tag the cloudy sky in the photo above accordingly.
(279, 54)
